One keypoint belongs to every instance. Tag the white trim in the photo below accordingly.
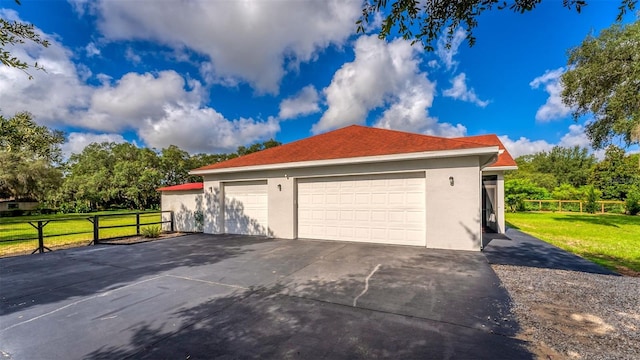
(355, 160)
(499, 168)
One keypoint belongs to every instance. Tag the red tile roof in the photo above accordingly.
(183, 187)
(349, 142)
(504, 159)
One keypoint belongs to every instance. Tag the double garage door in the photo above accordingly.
(388, 208)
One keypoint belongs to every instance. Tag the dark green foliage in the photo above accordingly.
(603, 80)
(591, 197)
(632, 203)
(517, 190)
(425, 21)
(559, 166)
(616, 174)
(29, 154)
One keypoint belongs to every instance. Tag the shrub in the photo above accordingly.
(632, 203)
(151, 231)
(592, 196)
(517, 190)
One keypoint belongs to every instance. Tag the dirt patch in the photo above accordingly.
(128, 240)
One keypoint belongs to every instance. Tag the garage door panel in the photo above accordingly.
(386, 208)
(246, 210)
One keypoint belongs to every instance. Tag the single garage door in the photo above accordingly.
(245, 208)
(387, 208)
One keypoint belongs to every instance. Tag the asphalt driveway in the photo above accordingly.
(204, 296)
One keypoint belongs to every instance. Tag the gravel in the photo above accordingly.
(575, 315)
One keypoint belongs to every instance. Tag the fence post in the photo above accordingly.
(96, 230)
(171, 217)
(40, 237)
(602, 208)
(580, 207)
(137, 223)
(559, 205)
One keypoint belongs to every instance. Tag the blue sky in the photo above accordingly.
(211, 75)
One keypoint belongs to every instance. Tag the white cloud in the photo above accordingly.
(303, 103)
(131, 55)
(50, 96)
(77, 141)
(524, 146)
(576, 136)
(460, 91)
(169, 109)
(123, 105)
(92, 50)
(382, 74)
(553, 108)
(249, 41)
(446, 55)
(204, 130)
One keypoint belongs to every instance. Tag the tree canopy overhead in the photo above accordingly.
(603, 79)
(426, 20)
(12, 33)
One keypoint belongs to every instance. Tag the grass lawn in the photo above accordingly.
(17, 236)
(609, 240)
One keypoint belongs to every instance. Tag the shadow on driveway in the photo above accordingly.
(520, 249)
(204, 296)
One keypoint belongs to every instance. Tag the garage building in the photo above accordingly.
(363, 184)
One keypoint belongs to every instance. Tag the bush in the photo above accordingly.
(151, 231)
(632, 203)
(592, 196)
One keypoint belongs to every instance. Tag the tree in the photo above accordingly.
(424, 21)
(517, 190)
(603, 79)
(616, 174)
(12, 33)
(29, 155)
(559, 166)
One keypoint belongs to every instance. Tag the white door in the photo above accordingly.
(245, 208)
(387, 208)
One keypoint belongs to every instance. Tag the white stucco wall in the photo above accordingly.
(184, 205)
(452, 214)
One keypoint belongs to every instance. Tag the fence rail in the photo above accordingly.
(19, 236)
(573, 205)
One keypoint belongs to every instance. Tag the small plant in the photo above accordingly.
(151, 231)
(592, 197)
(632, 203)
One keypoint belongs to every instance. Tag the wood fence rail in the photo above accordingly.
(602, 203)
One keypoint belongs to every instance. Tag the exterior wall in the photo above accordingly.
(453, 213)
(184, 205)
(22, 205)
(500, 206)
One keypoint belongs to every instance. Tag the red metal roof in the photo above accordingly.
(504, 159)
(349, 142)
(183, 187)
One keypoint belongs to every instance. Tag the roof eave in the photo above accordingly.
(485, 150)
(498, 168)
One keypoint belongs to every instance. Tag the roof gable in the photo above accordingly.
(349, 142)
(504, 158)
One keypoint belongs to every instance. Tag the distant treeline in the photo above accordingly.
(574, 174)
(103, 176)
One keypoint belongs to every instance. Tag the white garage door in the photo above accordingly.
(245, 208)
(386, 208)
